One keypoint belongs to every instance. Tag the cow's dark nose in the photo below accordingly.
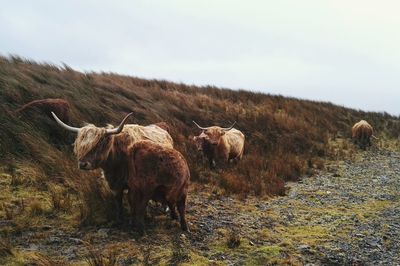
(83, 165)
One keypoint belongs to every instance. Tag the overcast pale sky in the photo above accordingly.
(345, 52)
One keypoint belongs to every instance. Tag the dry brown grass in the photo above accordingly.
(5, 247)
(38, 259)
(9, 212)
(96, 201)
(180, 253)
(283, 135)
(233, 239)
(36, 207)
(100, 257)
(60, 199)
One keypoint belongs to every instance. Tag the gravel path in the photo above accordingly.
(368, 191)
(348, 214)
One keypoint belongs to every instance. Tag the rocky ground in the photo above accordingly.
(347, 214)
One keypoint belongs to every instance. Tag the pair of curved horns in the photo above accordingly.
(76, 129)
(224, 128)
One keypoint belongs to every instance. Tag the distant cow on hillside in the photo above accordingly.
(59, 106)
(220, 144)
(108, 149)
(361, 134)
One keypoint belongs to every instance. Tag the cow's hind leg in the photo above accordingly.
(364, 141)
(182, 209)
(172, 209)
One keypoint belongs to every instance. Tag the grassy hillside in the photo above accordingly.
(40, 183)
(285, 137)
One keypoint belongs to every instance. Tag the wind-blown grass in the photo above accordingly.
(284, 136)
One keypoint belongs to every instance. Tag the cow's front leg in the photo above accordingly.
(119, 208)
(139, 213)
(138, 205)
(212, 162)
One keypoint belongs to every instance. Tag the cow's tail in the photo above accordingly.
(240, 155)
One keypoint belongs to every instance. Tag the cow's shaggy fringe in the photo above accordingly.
(88, 137)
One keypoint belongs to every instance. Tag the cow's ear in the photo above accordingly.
(222, 132)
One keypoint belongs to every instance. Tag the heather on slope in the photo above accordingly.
(285, 137)
(44, 194)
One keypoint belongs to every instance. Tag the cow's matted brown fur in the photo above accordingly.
(90, 135)
(220, 145)
(361, 133)
(60, 107)
(96, 149)
(160, 173)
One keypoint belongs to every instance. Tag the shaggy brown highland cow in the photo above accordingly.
(108, 149)
(361, 134)
(159, 173)
(220, 144)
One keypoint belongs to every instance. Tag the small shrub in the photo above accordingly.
(5, 248)
(233, 183)
(38, 259)
(16, 180)
(181, 252)
(61, 201)
(100, 258)
(233, 240)
(97, 201)
(9, 212)
(36, 207)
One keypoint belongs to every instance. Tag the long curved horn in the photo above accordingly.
(120, 127)
(229, 128)
(203, 128)
(61, 123)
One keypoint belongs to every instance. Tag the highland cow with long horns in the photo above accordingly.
(220, 144)
(108, 149)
